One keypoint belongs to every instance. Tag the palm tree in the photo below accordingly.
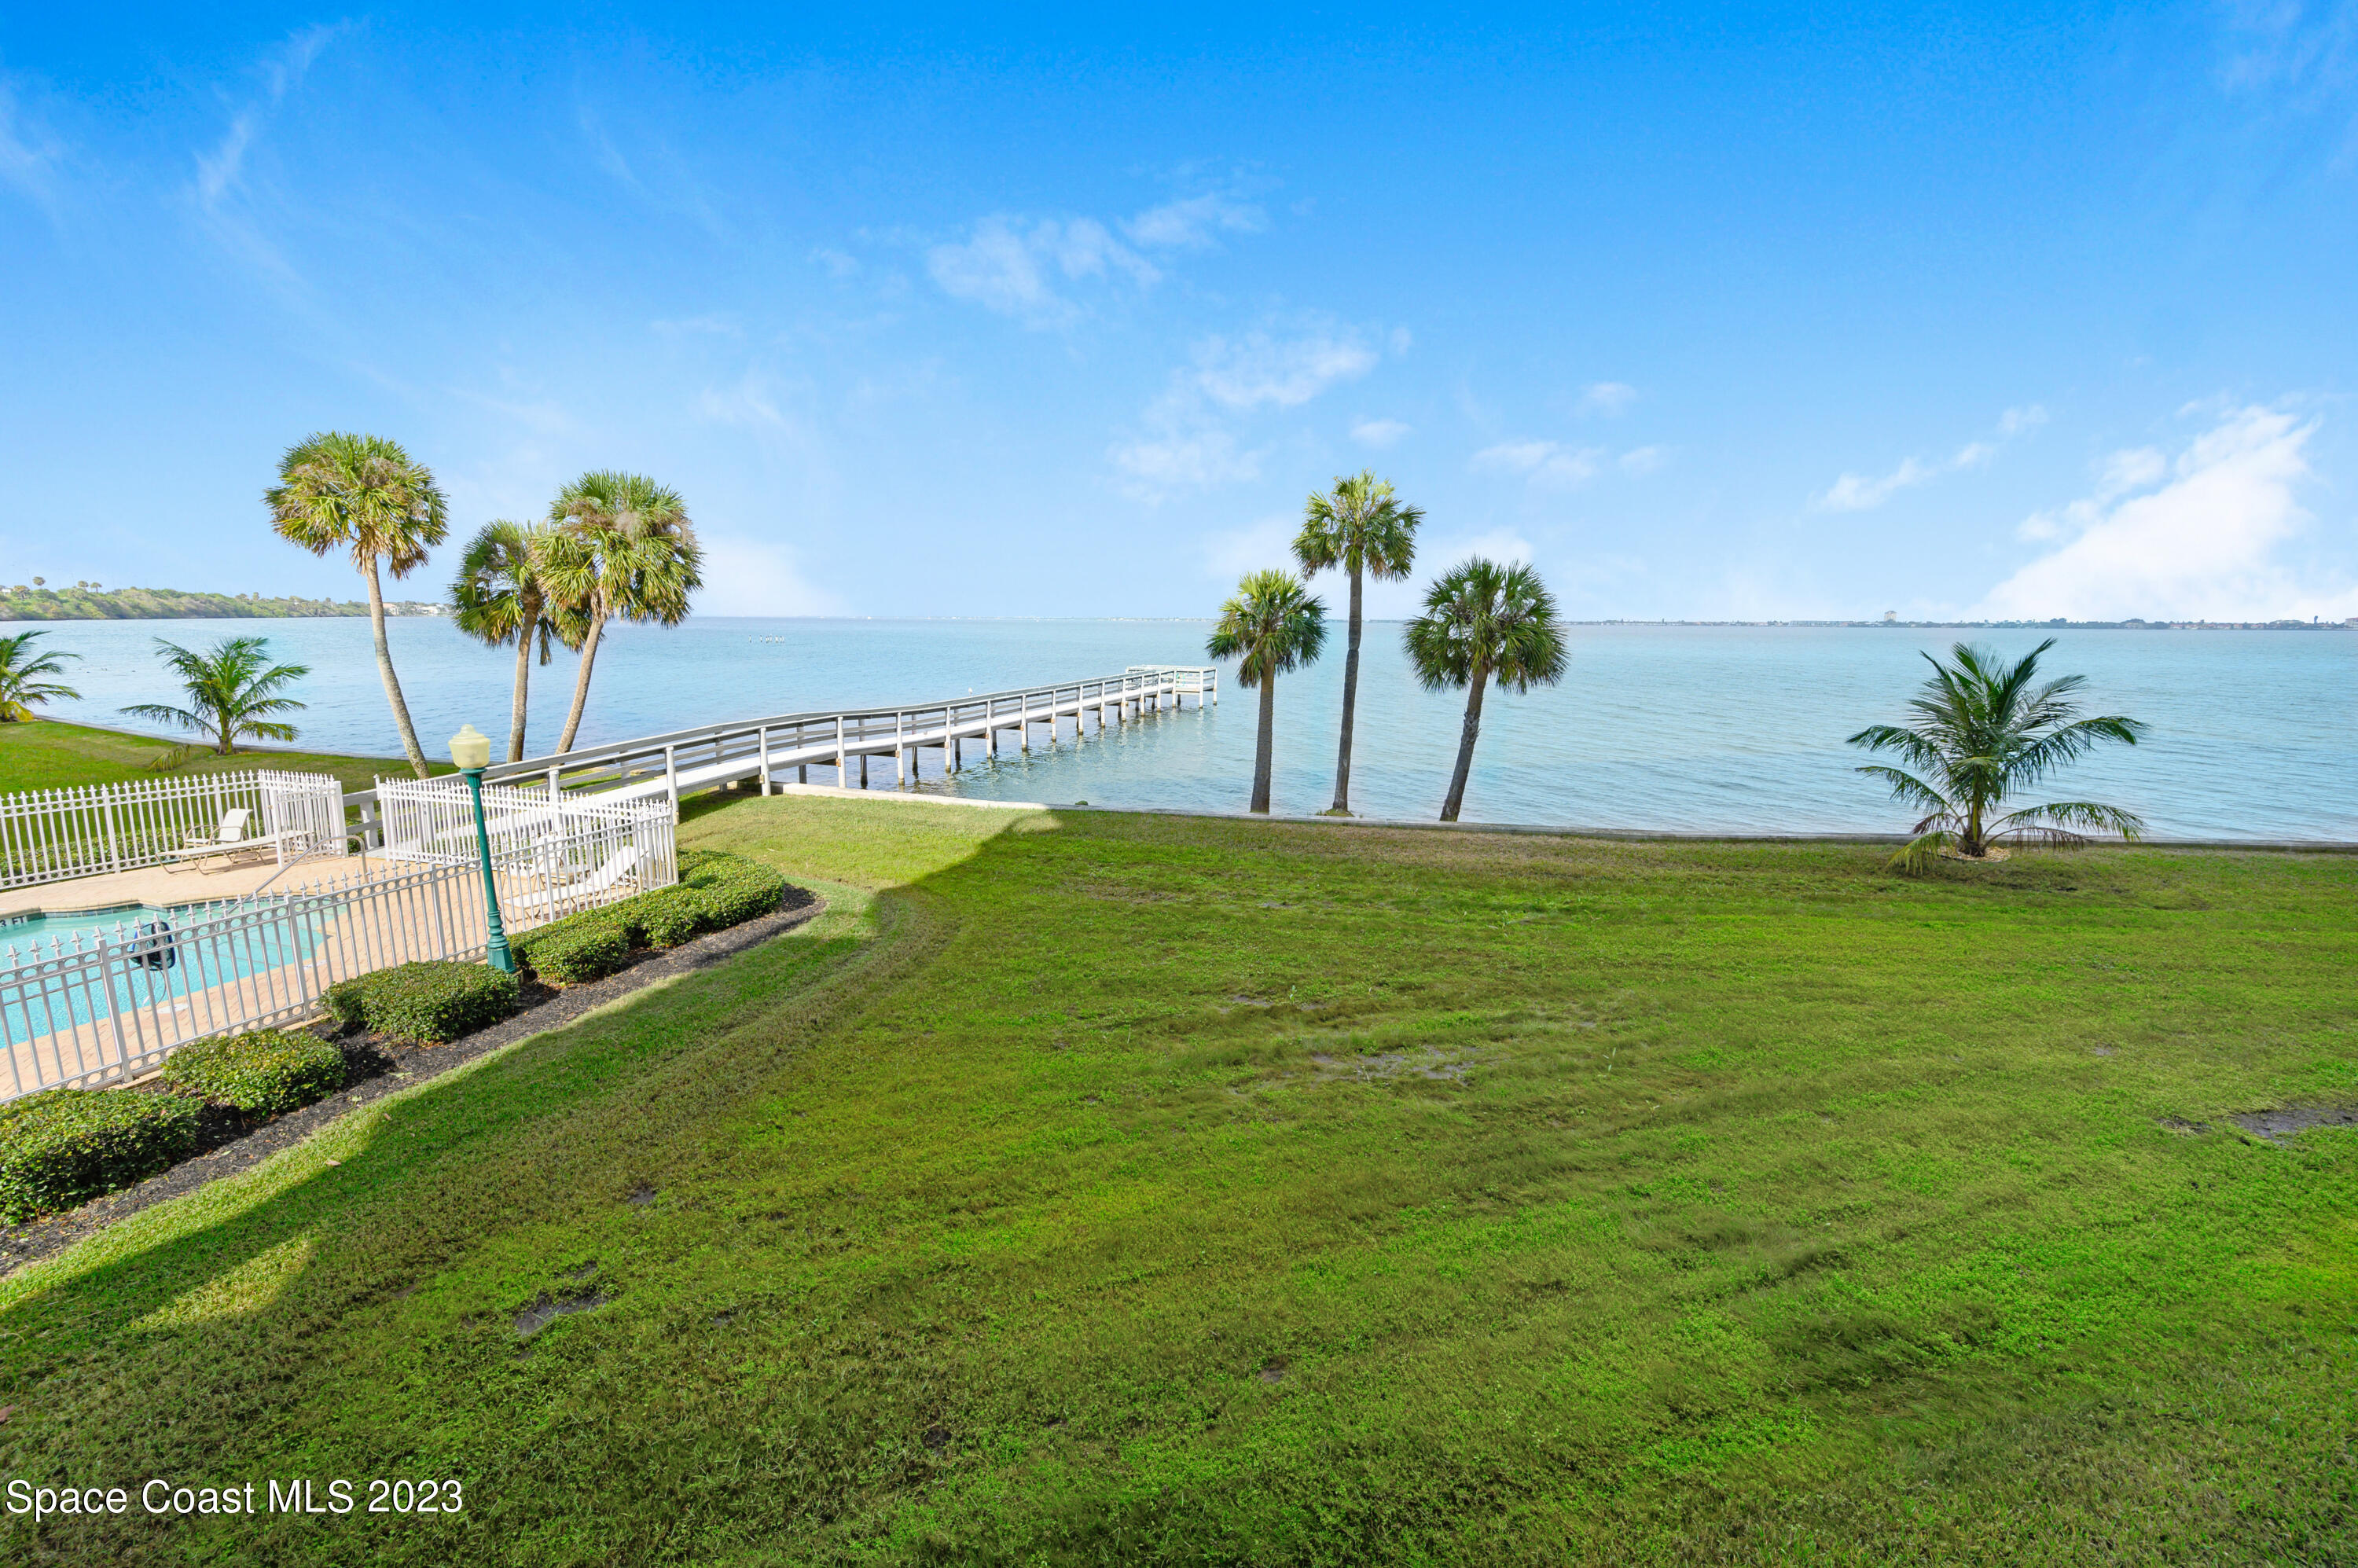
(622, 548)
(1983, 732)
(365, 494)
(1485, 622)
(1361, 527)
(501, 596)
(1272, 625)
(231, 687)
(21, 667)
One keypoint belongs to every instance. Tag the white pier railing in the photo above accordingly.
(842, 742)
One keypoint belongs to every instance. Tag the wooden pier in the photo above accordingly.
(845, 745)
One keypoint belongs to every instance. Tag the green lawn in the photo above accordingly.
(1114, 1189)
(46, 754)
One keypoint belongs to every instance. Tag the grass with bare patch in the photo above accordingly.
(1130, 1189)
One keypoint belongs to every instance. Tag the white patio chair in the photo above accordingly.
(226, 841)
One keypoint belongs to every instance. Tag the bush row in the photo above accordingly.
(423, 1003)
(716, 889)
(68, 1146)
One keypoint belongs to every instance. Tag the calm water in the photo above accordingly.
(1686, 727)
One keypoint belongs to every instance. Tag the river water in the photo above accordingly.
(2254, 734)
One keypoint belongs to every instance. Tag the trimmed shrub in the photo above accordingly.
(716, 889)
(430, 1002)
(576, 949)
(347, 1002)
(261, 1073)
(67, 1146)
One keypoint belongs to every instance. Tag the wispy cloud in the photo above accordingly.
(31, 155)
(1028, 269)
(1608, 397)
(220, 187)
(749, 576)
(1549, 464)
(1641, 461)
(1864, 492)
(2198, 537)
(1187, 438)
(1378, 433)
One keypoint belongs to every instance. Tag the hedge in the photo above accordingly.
(716, 889)
(67, 1146)
(261, 1073)
(425, 1004)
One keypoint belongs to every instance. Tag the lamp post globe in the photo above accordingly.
(473, 752)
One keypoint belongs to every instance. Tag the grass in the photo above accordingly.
(1113, 1189)
(44, 753)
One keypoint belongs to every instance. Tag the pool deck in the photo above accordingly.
(164, 886)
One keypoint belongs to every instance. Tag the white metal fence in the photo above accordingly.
(51, 835)
(101, 1005)
(553, 856)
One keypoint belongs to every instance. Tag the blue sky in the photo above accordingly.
(1741, 313)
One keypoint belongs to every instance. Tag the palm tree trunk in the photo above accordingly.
(581, 680)
(384, 669)
(1265, 743)
(1342, 807)
(522, 687)
(1466, 737)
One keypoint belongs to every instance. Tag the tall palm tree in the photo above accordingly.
(1984, 731)
(1272, 625)
(232, 687)
(501, 596)
(622, 548)
(365, 494)
(1362, 527)
(1483, 622)
(22, 665)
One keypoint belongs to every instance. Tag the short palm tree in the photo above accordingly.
(1272, 625)
(501, 596)
(1984, 731)
(365, 494)
(1482, 623)
(232, 689)
(22, 665)
(1361, 527)
(622, 548)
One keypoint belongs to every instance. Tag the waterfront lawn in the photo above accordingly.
(1105, 1188)
(43, 754)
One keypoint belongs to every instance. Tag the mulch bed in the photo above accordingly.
(230, 1142)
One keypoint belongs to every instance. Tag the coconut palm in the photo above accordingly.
(232, 687)
(500, 595)
(622, 548)
(22, 665)
(1984, 731)
(365, 494)
(1483, 622)
(1272, 625)
(1361, 527)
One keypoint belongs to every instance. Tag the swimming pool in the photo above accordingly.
(49, 982)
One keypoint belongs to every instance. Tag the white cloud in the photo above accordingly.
(29, 153)
(1186, 436)
(1378, 432)
(1015, 268)
(1260, 371)
(839, 265)
(1026, 267)
(1268, 543)
(1644, 460)
(1551, 464)
(753, 577)
(2206, 544)
(1192, 224)
(1606, 398)
(713, 325)
(1864, 492)
(223, 170)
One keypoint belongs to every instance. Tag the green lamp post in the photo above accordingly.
(472, 753)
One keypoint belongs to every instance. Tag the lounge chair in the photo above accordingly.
(226, 841)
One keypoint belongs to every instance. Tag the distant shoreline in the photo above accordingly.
(172, 604)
